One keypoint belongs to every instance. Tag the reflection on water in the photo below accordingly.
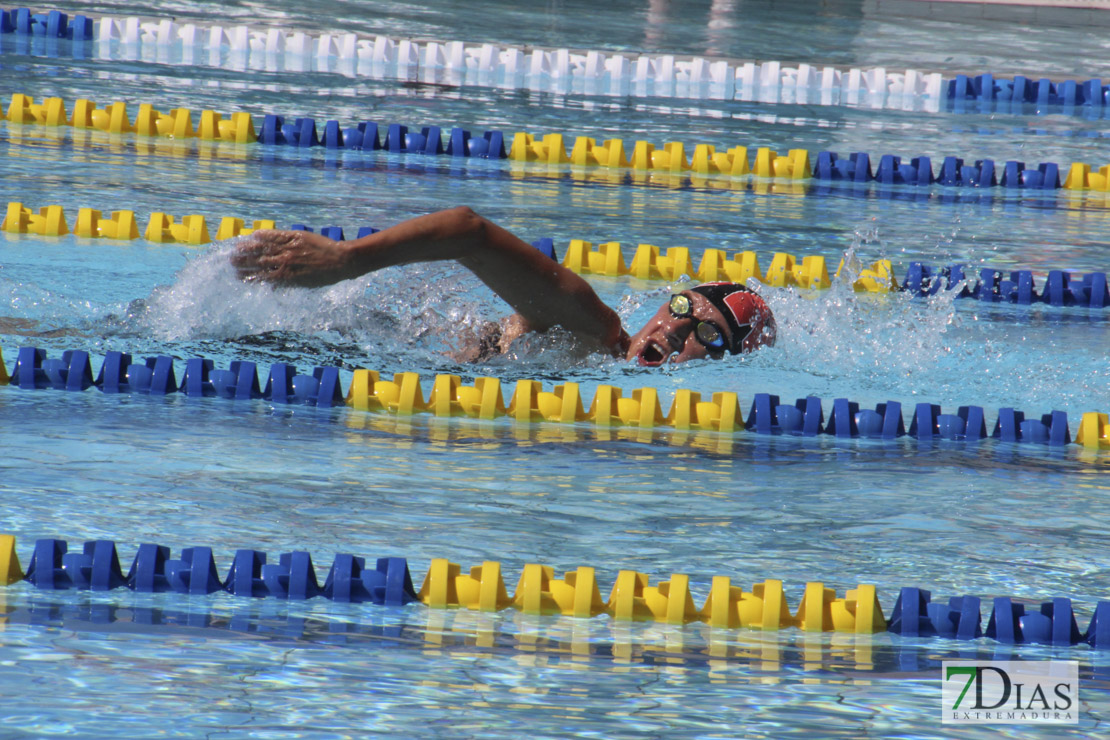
(266, 671)
(462, 635)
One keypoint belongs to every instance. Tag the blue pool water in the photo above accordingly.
(996, 519)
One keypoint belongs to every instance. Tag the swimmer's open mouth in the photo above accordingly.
(653, 354)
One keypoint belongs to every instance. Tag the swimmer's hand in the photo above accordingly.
(296, 258)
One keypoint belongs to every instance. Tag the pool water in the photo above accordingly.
(993, 519)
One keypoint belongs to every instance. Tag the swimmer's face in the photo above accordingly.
(668, 337)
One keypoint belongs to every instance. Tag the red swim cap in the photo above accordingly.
(750, 321)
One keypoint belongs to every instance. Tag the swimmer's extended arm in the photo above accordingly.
(543, 292)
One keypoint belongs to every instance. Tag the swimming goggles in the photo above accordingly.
(706, 332)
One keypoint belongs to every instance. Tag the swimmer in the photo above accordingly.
(706, 321)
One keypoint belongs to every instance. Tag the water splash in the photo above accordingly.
(881, 335)
(397, 318)
(207, 300)
(877, 346)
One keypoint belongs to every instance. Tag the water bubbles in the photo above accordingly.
(207, 300)
(867, 234)
(631, 304)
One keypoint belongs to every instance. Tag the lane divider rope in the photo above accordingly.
(649, 262)
(796, 166)
(566, 70)
(489, 65)
(96, 567)
(402, 395)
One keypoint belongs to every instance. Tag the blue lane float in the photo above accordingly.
(366, 136)
(891, 170)
(293, 577)
(915, 615)
(805, 418)
(52, 25)
(968, 423)
(97, 568)
(1059, 288)
(155, 376)
(245, 576)
(885, 422)
(986, 88)
(46, 569)
(959, 619)
(193, 573)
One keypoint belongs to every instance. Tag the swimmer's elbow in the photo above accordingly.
(464, 222)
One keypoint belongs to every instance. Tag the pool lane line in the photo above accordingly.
(217, 152)
(610, 408)
(567, 71)
(810, 272)
(539, 592)
(798, 165)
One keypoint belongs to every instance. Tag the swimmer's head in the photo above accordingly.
(707, 320)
